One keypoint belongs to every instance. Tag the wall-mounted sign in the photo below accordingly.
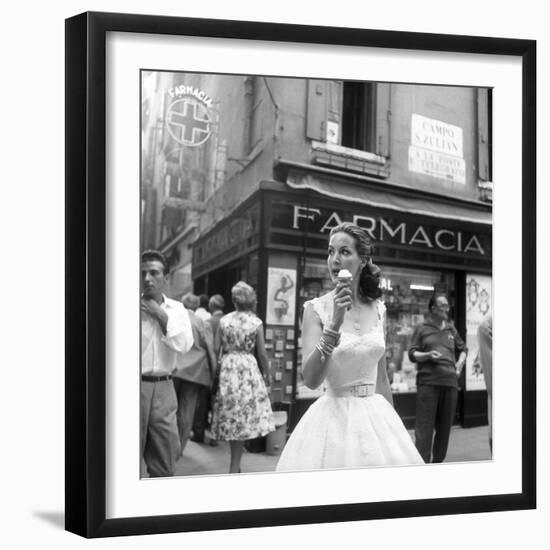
(183, 90)
(478, 306)
(187, 118)
(333, 132)
(436, 136)
(385, 229)
(436, 149)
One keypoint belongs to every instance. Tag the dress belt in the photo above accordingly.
(358, 390)
(156, 378)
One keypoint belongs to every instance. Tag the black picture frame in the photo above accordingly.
(86, 279)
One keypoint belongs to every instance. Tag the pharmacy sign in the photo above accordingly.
(187, 118)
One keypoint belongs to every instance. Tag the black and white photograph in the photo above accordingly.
(255, 256)
(303, 251)
(316, 274)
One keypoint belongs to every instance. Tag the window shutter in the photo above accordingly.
(316, 109)
(483, 150)
(334, 110)
(383, 116)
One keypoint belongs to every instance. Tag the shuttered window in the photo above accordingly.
(484, 134)
(316, 109)
(383, 120)
(352, 114)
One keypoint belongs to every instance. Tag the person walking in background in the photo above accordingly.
(165, 334)
(434, 346)
(241, 408)
(353, 424)
(195, 370)
(485, 337)
(215, 305)
(202, 311)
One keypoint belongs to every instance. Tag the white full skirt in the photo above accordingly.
(348, 432)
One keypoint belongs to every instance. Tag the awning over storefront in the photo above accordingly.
(390, 198)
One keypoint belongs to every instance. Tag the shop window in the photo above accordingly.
(406, 293)
(315, 282)
(479, 290)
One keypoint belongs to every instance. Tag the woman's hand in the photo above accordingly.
(342, 302)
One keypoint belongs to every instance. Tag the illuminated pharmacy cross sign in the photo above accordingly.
(191, 125)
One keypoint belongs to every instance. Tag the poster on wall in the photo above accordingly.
(478, 306)
(281, 296)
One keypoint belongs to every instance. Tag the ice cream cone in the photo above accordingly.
(345, 276)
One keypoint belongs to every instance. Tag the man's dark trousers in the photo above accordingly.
(435, 409)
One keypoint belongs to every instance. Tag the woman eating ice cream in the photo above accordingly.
(354, 423)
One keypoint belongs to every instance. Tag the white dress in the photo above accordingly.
(341, 430)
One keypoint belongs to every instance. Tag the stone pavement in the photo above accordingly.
(466, 444)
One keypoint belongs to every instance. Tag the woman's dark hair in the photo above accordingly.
(203, 300)
(369, 280)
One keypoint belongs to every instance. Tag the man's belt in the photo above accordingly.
(155, 378)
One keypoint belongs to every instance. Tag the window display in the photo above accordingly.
(315, 282)
(478, 307)
(406, 293)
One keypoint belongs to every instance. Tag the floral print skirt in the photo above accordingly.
(241, 408)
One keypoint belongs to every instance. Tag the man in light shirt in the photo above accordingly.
(165, 333)
(485, 335)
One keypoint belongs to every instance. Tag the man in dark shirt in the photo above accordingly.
(200, 423)
(195, 369)
(434, 346)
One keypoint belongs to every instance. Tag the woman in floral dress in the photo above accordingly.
(241, 408)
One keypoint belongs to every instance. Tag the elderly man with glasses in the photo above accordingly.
(435, 345)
